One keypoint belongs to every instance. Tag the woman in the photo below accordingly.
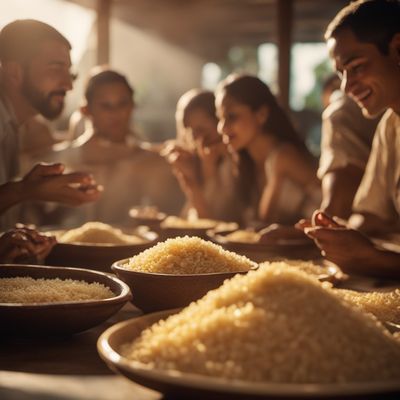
(201, 161)
(277, 173)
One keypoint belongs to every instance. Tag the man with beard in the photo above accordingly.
(35, 77)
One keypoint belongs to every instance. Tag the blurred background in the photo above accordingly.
(166, 47)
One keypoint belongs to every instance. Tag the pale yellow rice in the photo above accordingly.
(271, 325)
(384, 305)
(188, 255)
(30, 290)
(99, 233)
(177, 222)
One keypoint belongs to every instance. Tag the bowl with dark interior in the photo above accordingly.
(65, 312)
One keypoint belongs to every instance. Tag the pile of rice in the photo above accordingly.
(384, 305)
(99, 233)
(243, 236)
(177, 222)
(188, 255)
(306, 266)
(271, 325)
(29, 290)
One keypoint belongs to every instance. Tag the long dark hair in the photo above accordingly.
(254, 93)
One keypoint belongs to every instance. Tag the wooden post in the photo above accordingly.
(103, 31)
(285, 26)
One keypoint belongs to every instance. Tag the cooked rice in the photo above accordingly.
(384, 305)
(29, 290)
(272, 325)
(176, 222)
(243, 236)
(99, 233)
(188, 255)
(306, 266)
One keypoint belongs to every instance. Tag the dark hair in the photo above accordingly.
(371, 21)
(253, 92)
(21, 39)
(194, 99)
(105, 76)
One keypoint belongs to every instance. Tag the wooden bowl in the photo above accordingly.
(155, 292)
(60, 317)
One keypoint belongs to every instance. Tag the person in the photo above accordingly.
(201, 161)
(35, 77)
(278, 174)
(346, 143)
(132, 175)
(364, 44)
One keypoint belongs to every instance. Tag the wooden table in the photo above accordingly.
(69, 368)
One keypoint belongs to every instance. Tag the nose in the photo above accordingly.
(347, 83)
(67, 81)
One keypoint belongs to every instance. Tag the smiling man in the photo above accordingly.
(364, 44)
(35, 77)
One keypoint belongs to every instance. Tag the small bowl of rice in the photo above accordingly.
(57, 300)
(176, 272)
(96, 245)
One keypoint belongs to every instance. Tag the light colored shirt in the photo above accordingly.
(346, 135)
(379, 191)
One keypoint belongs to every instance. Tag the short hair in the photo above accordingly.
(20, 40)
(371, 21)
(105, 76)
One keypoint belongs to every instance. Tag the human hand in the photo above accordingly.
(25, 244)
(339, 244)
(47, 182)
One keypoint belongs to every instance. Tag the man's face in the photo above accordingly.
(110, 110)
(47, 79)
(370, 78)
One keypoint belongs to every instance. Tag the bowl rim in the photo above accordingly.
(142, 235)
(124, 296)
(117, 267)
(222, 385)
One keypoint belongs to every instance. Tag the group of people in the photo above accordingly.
(236, 156)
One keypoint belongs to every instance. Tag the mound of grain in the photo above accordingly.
(384, 305)
(177, 222)
(28, 290)
(306, 266)
(188, 255)
(243, 236)
(273, 325)
(99, 233)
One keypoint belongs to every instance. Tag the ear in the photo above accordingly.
(262, 115)
(13, 73)
(394, 47)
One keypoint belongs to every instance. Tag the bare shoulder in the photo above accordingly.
(288, 156)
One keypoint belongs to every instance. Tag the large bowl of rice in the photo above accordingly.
(96, 245)
(57, 300)
(178, 271)
(272, 333)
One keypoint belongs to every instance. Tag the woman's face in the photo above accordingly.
(238, 123)
(201, 129)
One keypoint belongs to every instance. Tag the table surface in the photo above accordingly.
(70, 368)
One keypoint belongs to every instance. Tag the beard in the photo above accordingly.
(42, 102)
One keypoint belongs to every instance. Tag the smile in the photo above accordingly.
(360, 97)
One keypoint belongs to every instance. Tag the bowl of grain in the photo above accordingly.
(178, 271)
(273, 332)
(57, 300)
(97, 245)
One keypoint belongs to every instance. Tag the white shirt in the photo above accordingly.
(379, 191)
